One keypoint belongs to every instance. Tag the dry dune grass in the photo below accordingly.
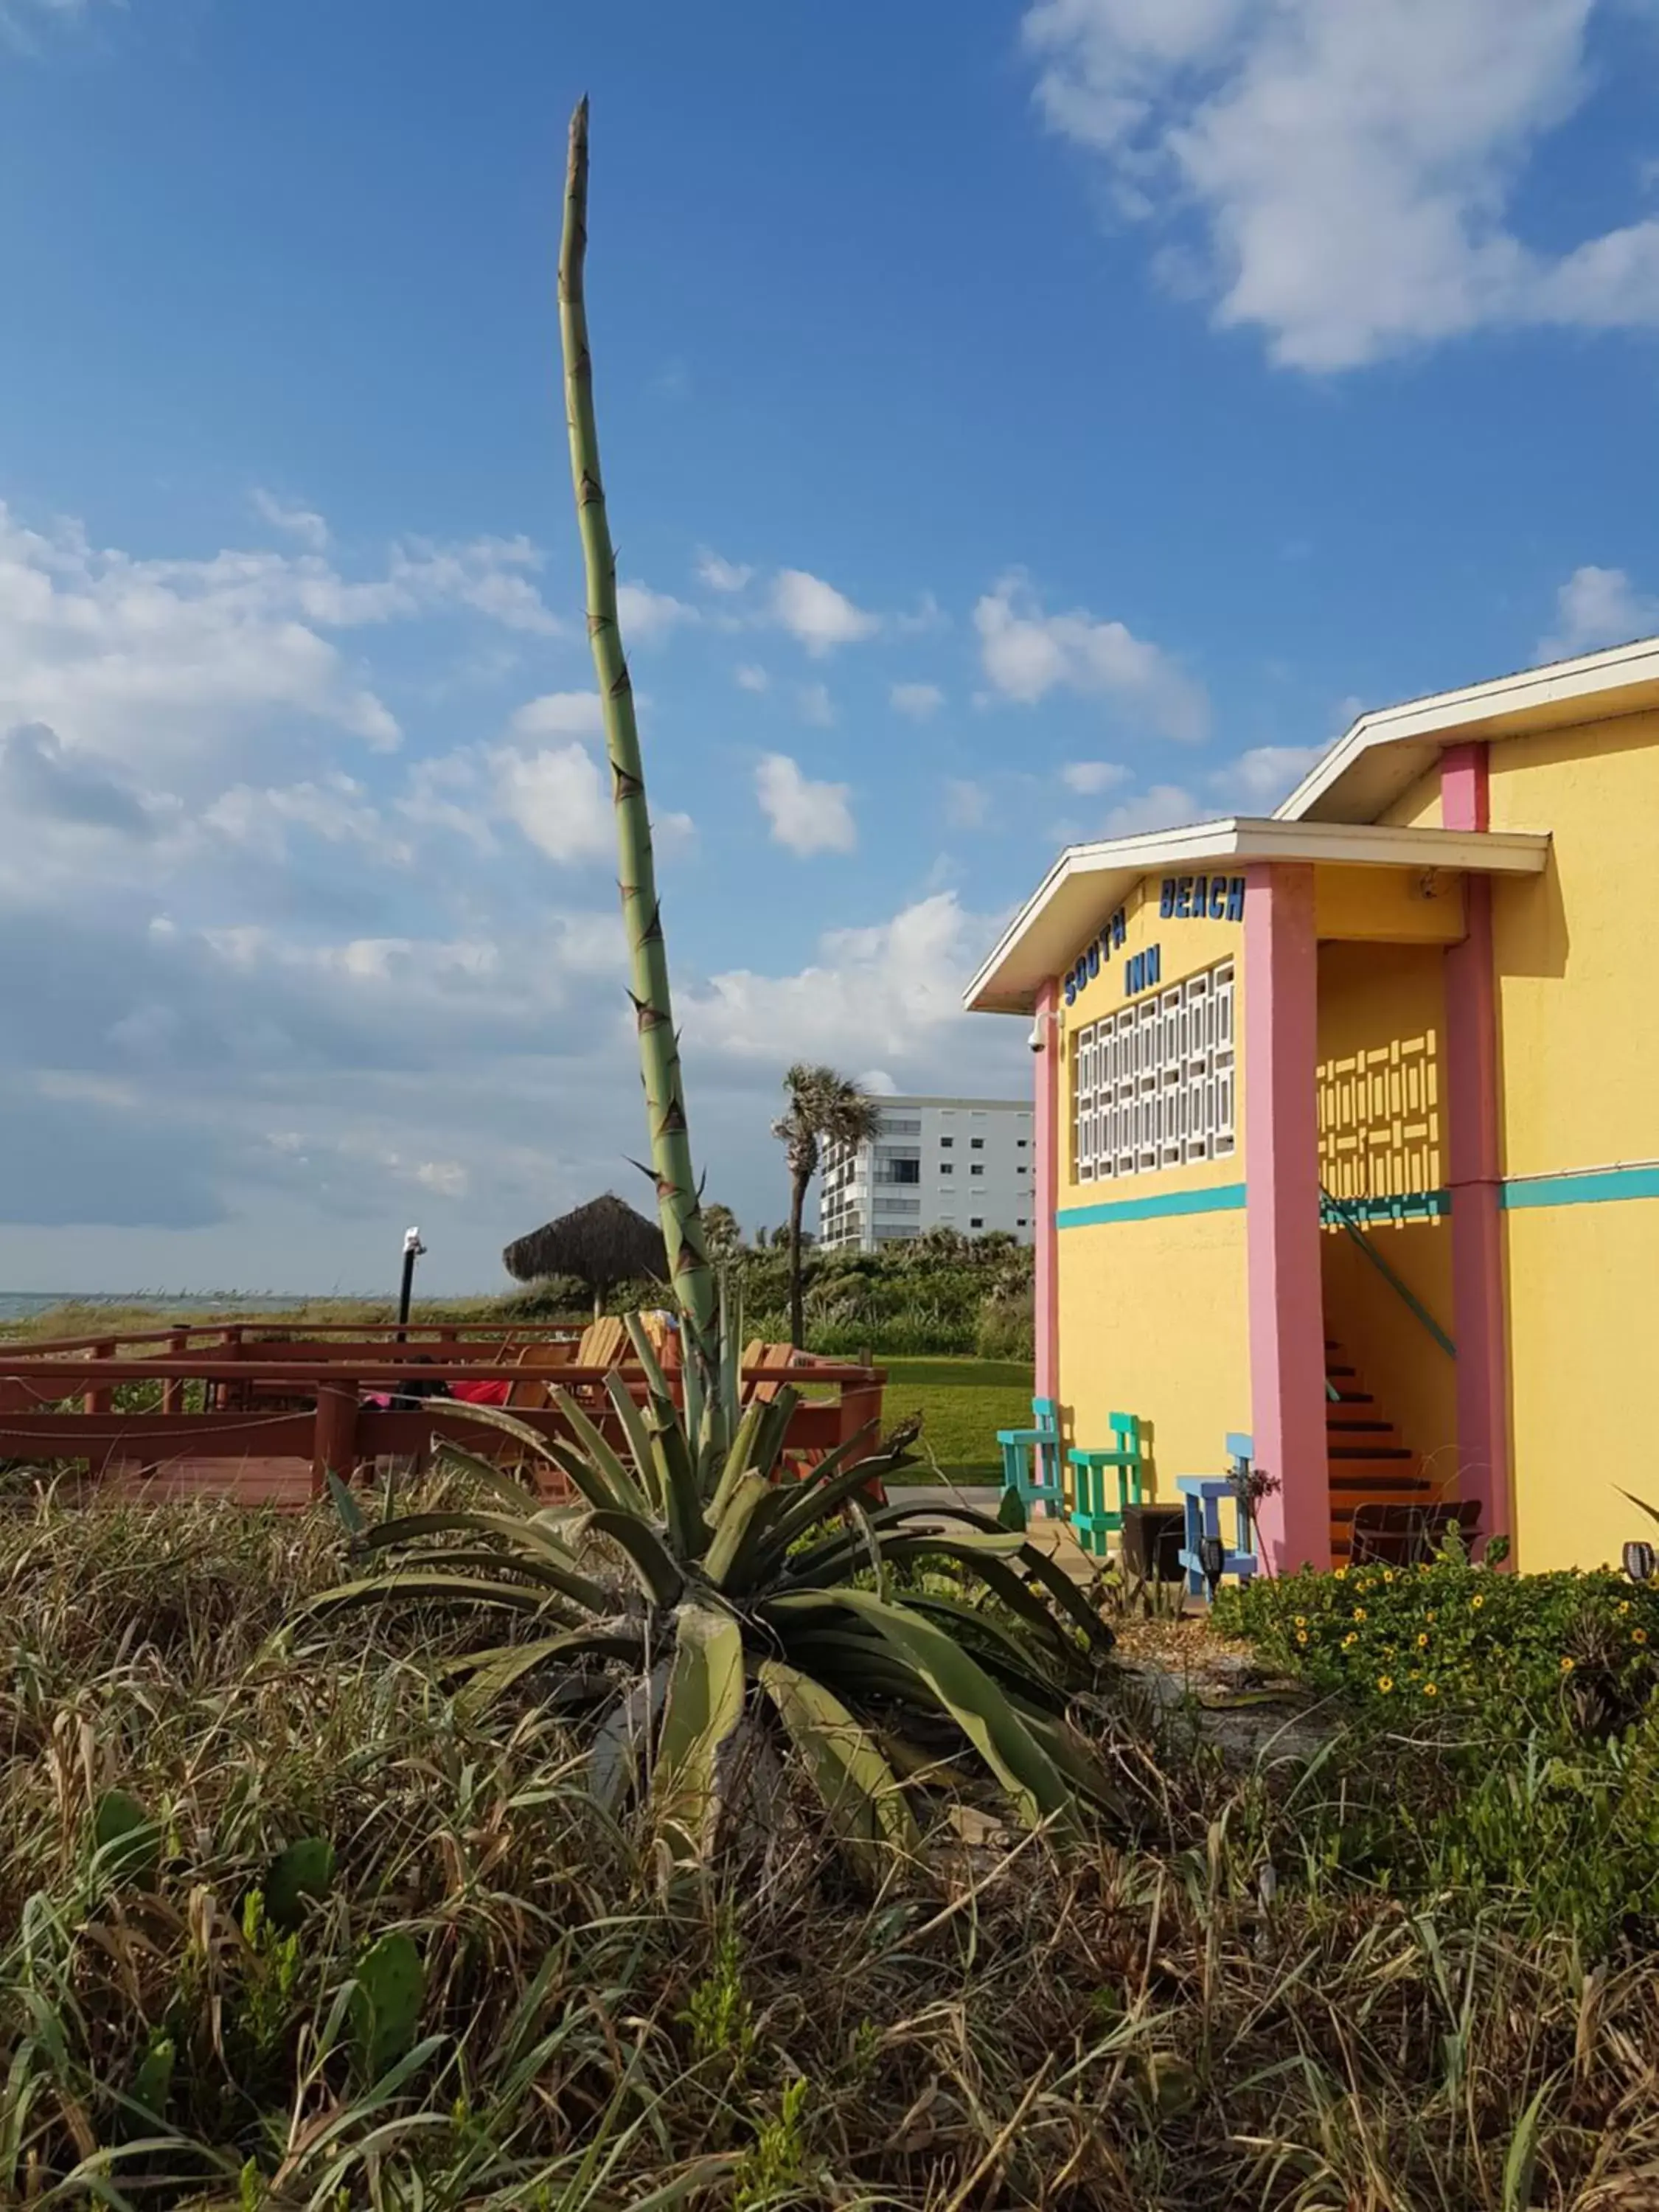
(1154, 2027)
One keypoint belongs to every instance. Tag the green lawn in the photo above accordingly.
(963, 1402)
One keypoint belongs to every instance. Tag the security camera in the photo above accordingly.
(1035, 1038)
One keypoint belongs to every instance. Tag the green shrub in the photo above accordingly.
(1007, 1328)
(1454, 1633)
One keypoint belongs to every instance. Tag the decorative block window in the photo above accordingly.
(1153, 1084)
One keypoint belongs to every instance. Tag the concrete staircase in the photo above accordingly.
(1369, 1464)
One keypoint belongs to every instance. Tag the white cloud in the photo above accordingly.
(334, 808)
(721, 575)
(1597, 607)
(1165, 807)
(817, 614)
(806, 816)
(558, 714)
(1349, 165)
(966, 803)
(815, 706)
(299, 522)
(894, 989)
(557, 800)
(646, 616)
(181, 662)
(918, 700)
(750, 678)
(1027, 654)
(1092, 777)
(1255, 782)
(928, 616)
(446, 1178)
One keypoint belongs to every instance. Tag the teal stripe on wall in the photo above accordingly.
(1596, 1189)
(1221, 1198)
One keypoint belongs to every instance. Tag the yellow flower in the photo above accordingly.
(1301, 1635)
(1566, 1666)
(1422, 1643)
(1342, 1574)
(1431, 1615)
(1624, 1604)
(1429, 1690)
(1359, 1612)
(1388, 1574)
(1301, 1620)
(1475, 1604)
(1638, 1636)
(1349, 1638)
(1385, 1683)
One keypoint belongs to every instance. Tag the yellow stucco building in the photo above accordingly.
(1348, 1121)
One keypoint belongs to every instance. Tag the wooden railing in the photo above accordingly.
(308, 1399)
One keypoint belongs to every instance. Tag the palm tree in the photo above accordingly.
(720, 1232)
(823, 1109)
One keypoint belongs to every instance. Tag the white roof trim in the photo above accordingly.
(1351, 784)
(1087, 880)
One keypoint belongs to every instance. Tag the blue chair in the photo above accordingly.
(1095, 1521)
(1202, 1497)
(1038, 1447)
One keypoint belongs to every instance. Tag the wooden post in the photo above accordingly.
(173, 1390)
(335, 1445)
(99, 1397)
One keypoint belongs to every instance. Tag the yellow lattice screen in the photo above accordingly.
(1379, 1120)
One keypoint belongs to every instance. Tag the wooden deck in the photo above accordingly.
(264, 1418)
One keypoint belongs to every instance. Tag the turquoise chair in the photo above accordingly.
(1093, 1519)
(1038, 1447)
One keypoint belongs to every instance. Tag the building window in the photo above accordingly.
(975, 1222)
(976, 1170)
(976, 1143)
(1022, 1225)
(1152, 1084)
(1020, 1143)
(945, 1168)
(945, 1143)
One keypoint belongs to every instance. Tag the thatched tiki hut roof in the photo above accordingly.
(602, 1244)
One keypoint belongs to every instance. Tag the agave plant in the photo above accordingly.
(703, 1599)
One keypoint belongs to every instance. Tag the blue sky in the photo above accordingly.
(1021, 422)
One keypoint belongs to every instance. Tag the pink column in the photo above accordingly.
(1476, 1174)
(1281, 1175)
(1045, 1196)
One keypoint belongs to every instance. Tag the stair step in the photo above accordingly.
(1335, 1422)
(1370, 1452)
(1334, 1371)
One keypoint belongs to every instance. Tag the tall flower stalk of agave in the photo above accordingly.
(659, 1058)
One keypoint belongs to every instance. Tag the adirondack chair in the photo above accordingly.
(777, 1360)
(537, 1365)
(1031, 1459)
(1124, 1458)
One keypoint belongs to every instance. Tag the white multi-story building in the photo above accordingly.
(961, 1164)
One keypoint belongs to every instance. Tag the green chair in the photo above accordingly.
(1092, 1517)
(1040, 1444)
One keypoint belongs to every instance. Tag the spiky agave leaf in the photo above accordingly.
(705, 1706)
(861, 1793)
(979, 1708)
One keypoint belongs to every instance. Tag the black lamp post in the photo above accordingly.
(413, 1248)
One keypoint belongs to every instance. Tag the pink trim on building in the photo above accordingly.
(1045, 1198)
(1474, 1161)
(1281, 1175)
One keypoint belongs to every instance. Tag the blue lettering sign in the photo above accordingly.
(1236, 899)
(1166, 898)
